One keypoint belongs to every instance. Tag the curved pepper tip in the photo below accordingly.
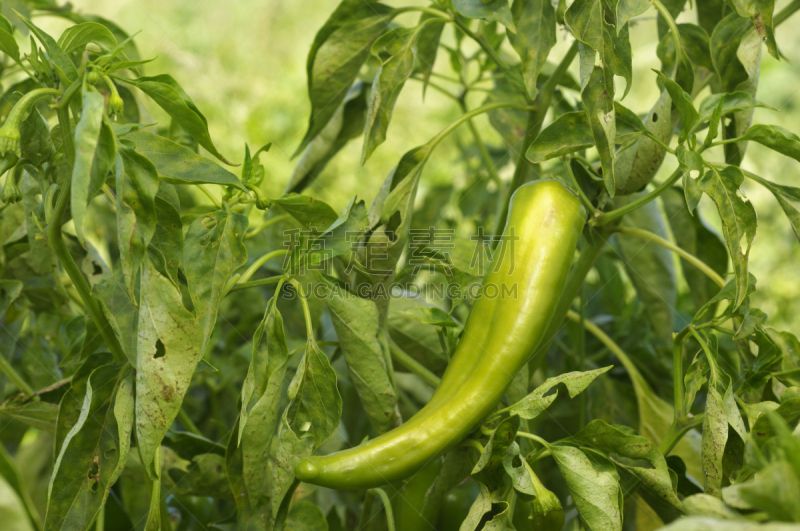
(306, 470)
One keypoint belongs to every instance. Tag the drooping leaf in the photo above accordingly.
(598, 99)
(536, 402)
(637, 457)
(64, 65)
(168, 340)
(90, 154)
(346, 124)
(136, 187)
(760, 11)
(489, 469)
(357, 325)
(179, 165)
(316, 405)
(683, 102)
(535, 21)
(738, 219)
(170, 96)
(95, 449)
(396, 49)
(593, 483)
(776, 138)
(489, 10)
(339, 50)
(213, 250)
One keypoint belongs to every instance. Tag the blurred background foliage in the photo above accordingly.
(243, 62)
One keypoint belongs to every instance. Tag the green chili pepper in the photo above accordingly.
(505, 326)
(9, 132)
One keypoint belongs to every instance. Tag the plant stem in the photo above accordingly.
(676, 36)
(491, 52)
(306, 311)
(658, 141)
(677, 430)
(7, 369)
(677, 372)
(405, 359)
(437, 87)
(208, 194)
(429, 10)
(603, 218)
(699, 264)
(366, 510)
(261, 261)
(710, 355)
(786, 12)
(56, 241)
(487, 159)
(387, 506)
(266, 224)
(533, 437)
(187, 422)
(472, 114)
(585, 200)
(255, 283)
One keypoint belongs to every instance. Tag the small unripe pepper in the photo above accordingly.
(9, 132)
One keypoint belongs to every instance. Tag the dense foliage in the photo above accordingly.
(173, 341)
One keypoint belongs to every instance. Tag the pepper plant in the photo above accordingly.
(173, 342)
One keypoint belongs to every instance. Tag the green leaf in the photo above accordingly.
(510, 123)
(428, 46)
(316, 405)
(170, 96)
(589, 22)
(691, 164)
(168, 340)
(593, 483)
(339, 50)
(683, 102)
(357, 325)
(715, 435)
(535, 21)
(9, 46)
(37, 144)
(788, 197)
(760, 11)
(166, 245)
(95, 450)
(489, 469)
(627, 9)
(637, 458)
(481, 506)
(651, 267)
(137, 185)
(75, 38)
(214, 249)
(576, 382)
(568, 133)
(776, 138)
(736, 53)
(635, 167)
(258, 420)
(309, 212)
(347, 123)
(88, 147)
(396, 49)
(341, 236)
(64, 65)
(738, 219)
(727, 103)
(179, 165)
(598, 99)
(489, 10)
(14, 481)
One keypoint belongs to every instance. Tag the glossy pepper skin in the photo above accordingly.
(502, 332)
